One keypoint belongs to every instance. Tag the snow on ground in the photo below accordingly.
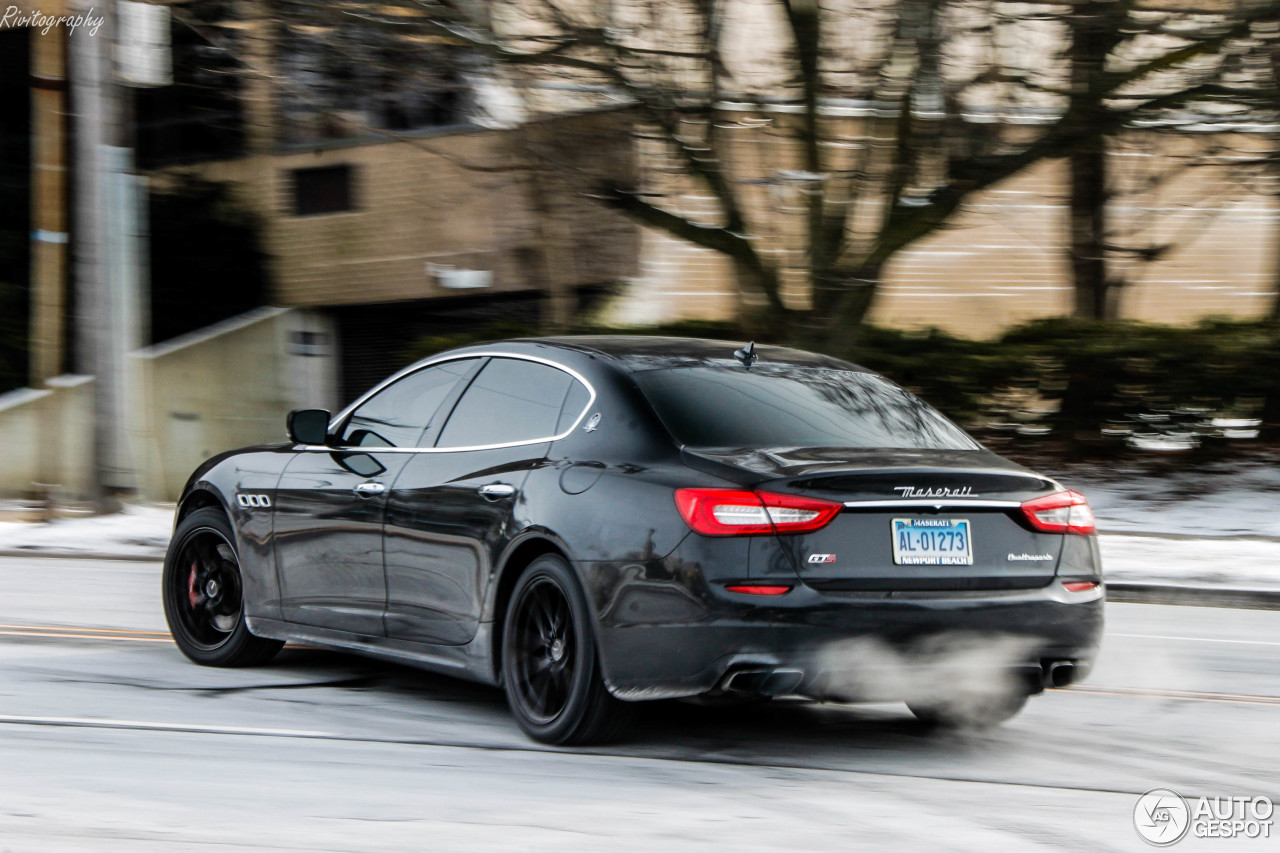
(1236, 563)
(1218, 500)
(1215, 526)
(140, 532)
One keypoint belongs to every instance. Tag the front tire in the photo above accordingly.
(550, 666)
(203, 594)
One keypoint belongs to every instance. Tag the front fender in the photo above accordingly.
(220, 482)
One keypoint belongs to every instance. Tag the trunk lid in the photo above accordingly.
(958, 498)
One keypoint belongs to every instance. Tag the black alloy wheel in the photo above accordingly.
(545, 650)
(550, 669)
(204, 595)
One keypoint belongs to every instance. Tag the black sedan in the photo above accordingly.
(594, 521)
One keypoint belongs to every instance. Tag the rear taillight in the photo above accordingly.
(758, 588)
(734, 512)
(1064, 512)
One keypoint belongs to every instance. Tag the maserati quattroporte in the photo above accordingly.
(589, 522)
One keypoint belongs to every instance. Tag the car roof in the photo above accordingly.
(651, 352)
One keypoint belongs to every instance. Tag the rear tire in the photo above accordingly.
(550, 665)
(976, 711)
(203, 594)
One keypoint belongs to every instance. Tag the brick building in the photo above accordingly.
(396, 201)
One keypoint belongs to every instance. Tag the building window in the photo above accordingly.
(326, 189)
(308, 343)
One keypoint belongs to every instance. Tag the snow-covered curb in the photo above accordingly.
(136, 533)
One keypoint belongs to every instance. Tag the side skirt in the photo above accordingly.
(471, 661)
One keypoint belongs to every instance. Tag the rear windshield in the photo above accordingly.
(789, 406)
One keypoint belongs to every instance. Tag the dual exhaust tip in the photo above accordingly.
(1052, 674)
(1058, 673)
(782, 682)
(764, 682)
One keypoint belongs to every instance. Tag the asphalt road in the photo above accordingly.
(111, 741)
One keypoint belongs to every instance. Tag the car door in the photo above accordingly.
(454, 510)
(331, 502)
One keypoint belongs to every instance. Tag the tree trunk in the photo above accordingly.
(754, 311)
(1273, 314)
(1094, 27)
(842, 325)
(1088, 233)
(1274, 311)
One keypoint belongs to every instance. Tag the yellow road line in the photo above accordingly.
(84, 635)
(85, 628)
(1189, 695)
(74, 633)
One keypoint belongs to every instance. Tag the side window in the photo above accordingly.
(510, 400)
(397, 415)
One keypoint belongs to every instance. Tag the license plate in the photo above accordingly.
(932, 542)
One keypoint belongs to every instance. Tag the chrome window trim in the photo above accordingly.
(937, 504)
(347, 412)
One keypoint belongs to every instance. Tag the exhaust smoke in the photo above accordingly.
(958, 668)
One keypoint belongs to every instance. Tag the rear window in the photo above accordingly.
(789, 406)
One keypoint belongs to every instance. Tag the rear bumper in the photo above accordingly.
(867, 646)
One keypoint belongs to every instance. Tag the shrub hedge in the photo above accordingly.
(1082, 386)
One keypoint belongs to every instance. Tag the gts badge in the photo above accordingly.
(253, 501)
(822, 558)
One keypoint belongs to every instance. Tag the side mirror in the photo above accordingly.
(308, 426)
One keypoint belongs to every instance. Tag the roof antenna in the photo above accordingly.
(747, 355)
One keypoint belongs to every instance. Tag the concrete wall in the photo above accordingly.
(45, 438)
(226, 386)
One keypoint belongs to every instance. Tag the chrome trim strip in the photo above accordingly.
(938, 504)
(345, 413)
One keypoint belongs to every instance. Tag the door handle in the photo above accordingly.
(494, 491)
(368, 490)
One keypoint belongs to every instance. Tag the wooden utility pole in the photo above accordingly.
(48, 243)
(48, 199)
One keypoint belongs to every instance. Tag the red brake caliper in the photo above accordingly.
(192, 595)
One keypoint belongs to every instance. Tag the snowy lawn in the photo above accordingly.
(1219, 501)
(1239, 563)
